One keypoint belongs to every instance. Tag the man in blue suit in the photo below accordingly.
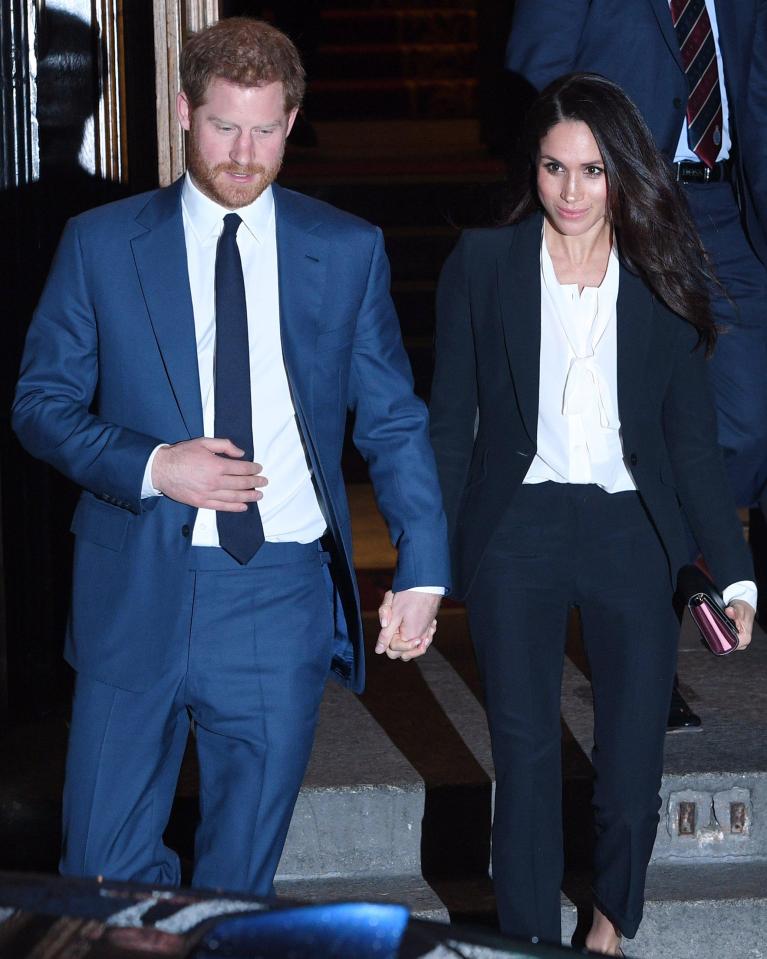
(648, 47)
(177, 342)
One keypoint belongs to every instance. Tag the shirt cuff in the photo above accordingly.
(434, 590)
(147, 489)
(744, 589)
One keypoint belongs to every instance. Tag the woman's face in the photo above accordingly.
(572, 185)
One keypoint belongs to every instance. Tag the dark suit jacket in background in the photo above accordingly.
(633, 43)
(487, 377)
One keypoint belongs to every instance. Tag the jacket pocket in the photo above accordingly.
(100, 523)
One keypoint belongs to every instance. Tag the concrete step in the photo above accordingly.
(393, 148)
(712, 911)
(404, 25)
(400, 4)
(344, 99)
(418, 253)
(411, 890)
(414, 300)
(400, 780)
(412, 60)
(399, 201)
(417, 786)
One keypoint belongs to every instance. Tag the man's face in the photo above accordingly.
(236, 140)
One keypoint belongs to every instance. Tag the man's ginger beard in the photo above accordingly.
(211, 180)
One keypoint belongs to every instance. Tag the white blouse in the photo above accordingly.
(579, 437)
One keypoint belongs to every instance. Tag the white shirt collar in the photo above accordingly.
(206, 217)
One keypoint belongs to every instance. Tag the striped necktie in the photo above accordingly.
(704, 104)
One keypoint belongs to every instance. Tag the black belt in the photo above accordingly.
(689, 172)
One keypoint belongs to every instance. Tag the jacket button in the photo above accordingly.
(185, 531)
(633, 459)
(677, 102)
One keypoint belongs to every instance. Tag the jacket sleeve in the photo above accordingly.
(754, 135)
(454, 392)
(391, 432)
(544, 39)
(58, 382)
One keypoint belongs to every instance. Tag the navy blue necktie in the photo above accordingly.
(240, 534)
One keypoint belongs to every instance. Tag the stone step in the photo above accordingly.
(420, 351)
(407, 98)
(418, 253)
(411, 890)
(711, 911)
(399, 4)
(422, 764)
(392, 150)
(404, 25)
(409, 200)
(412, 60)
(415, 306)
(400, 780)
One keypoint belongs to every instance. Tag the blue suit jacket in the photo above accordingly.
(633, 43)
(110, 370)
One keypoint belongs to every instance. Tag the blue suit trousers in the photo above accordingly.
(249, 678)
(739, 364)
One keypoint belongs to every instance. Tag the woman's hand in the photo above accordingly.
(742, 614)
(397, 626)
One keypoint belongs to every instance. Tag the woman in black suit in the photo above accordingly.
(573, 429)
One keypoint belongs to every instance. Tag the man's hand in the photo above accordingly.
(207, 473)
(742, 614)
(407, 623)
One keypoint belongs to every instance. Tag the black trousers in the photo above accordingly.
(560, 546)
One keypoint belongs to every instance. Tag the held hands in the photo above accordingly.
(207, 473)
(742, 614)
(407, 624)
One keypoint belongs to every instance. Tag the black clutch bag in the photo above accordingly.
(707, 607)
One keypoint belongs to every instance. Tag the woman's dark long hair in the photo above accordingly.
(655, 233)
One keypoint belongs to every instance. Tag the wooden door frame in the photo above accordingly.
(173, 21)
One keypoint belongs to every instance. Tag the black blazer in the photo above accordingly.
(484, 405)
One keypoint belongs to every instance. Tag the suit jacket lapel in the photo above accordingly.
(302, 258)
(661, 10)
(635, 314)
(733, 23)
(519, 291)
(160, 257)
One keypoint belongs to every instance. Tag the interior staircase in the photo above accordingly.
(391, 59)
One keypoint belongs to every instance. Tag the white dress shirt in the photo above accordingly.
(683, 151)
(578, 436)
(290, 511)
